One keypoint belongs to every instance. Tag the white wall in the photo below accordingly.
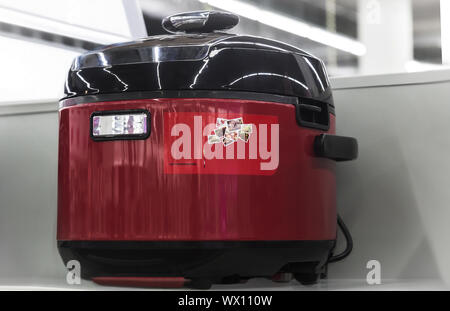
(385, 28)
(395, 197)
(28, 172)
(33, 70)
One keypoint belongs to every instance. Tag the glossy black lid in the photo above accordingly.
(199, 60)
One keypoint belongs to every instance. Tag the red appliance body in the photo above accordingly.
(120, 190)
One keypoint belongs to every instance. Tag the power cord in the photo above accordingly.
(348, 239)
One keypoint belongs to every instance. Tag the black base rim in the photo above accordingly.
(214, 260)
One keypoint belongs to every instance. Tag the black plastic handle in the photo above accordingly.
(200, 22)
(337, 148)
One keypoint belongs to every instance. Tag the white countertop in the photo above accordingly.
(394, 79)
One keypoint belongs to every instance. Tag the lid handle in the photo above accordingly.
(200, 22)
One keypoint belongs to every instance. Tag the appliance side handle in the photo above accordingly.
(334, 147)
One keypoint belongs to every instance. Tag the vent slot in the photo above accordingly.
(313, 114)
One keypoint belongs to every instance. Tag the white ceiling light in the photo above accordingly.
(290, 25)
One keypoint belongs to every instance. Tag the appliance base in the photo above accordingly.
(204, 261)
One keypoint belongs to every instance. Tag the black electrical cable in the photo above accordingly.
(348, 239)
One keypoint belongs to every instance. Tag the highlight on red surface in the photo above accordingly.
(151, 282)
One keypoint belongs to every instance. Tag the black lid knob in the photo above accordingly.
(200, 22)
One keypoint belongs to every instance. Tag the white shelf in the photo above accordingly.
(253, 284)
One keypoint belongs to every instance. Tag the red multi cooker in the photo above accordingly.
(198, 157)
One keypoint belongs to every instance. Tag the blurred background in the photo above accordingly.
(353, 37)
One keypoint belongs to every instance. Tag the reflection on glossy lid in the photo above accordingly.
(188, 47)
